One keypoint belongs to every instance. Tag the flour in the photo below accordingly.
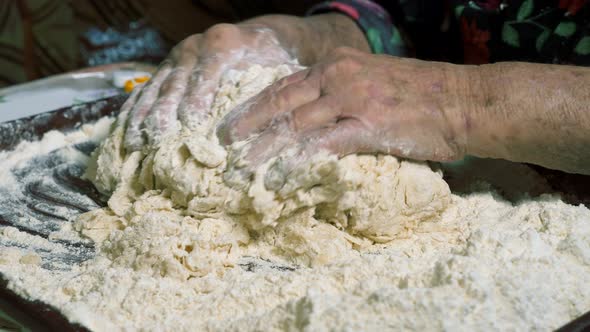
(360, 243)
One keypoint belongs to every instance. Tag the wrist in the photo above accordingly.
(311, 38)
(332, 30)
(292, 32)
(462, 108)
(482, 100)
(528, 113)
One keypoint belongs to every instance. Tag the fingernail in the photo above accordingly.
(222, 134)
(237, 178)
(276, 176)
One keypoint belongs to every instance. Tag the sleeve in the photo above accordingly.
(383, 36)
(526, 30)
(567, 41)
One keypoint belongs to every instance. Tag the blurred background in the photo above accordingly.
(39, 38)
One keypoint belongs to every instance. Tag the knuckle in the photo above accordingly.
(281, 83)
(362, 84)
(232, 120)
(279, 100)
(374, 105)
(132, 99)
(221, 31)
(343, 64)
(263, 33)
(297, 121)
(287, 124)
(173, 83)
(349, 63)
(165, 64)
(189, 44)
(344, 50)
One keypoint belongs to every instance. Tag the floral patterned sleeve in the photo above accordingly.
(555, 31)
(547, 31)
(376, 23)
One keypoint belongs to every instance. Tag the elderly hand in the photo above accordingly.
(353, 102)
(182, 88)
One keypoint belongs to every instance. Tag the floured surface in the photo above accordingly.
(361, 243)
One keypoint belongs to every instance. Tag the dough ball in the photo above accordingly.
(388, 198)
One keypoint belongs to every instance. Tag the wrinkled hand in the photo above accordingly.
(353, 102)
(182, 89)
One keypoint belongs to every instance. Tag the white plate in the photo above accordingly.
(64, 90)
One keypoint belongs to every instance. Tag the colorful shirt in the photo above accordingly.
(476, 31)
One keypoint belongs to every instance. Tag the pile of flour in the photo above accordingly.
(360, 243)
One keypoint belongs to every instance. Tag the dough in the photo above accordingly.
(171, 212)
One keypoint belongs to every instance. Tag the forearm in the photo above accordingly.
(312, 38)
(532, 113)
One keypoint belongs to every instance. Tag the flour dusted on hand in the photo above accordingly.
(332, 206)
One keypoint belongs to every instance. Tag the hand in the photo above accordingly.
(353, 102)
(183, 87)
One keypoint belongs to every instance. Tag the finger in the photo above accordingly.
(345, 137)
(320, 113)
(123, 117)
(266, 49)
(258, 112)
(284, 134)
(198, 98)
(162, 117)
(317, 114)
(132, 99)
(196, 106)
(247, 158)
(164, 113)
(340, 139)
(351, 135)
(141, 106)
(203, 83)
